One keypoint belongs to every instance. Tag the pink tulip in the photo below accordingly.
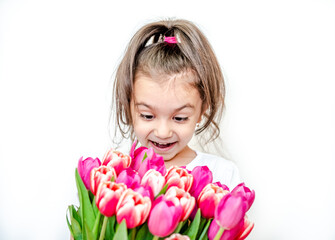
(230, 211)
(209, 198)
(133, 207)
(153, 179)
(185, 199)
(107, 197)
(117, 160)
(227, 234)
(130, 178)
(99, 175)
(145, 191)
(137, 156)
(202, 176)
(152, 161)
(179, 177)
(84, 169)
(177, 236)
(224, 187)
(245, 229)
(242, 190)
(164, 217)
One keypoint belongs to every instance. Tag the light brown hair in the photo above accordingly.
(148, 53)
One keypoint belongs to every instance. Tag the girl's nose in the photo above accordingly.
(163, 130)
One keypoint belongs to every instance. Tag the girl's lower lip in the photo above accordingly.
(159, 149)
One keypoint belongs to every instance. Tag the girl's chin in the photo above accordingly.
(167, 157)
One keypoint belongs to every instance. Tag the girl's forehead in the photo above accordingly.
(166, 90)
(180, 81)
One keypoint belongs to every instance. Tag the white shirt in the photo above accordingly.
(224, 171)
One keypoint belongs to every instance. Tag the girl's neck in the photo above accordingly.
(183, 158)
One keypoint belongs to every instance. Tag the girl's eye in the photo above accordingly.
(180, 119)
(147, 116)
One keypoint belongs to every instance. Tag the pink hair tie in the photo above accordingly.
(170, 40)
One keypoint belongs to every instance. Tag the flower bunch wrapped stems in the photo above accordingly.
(135, 197)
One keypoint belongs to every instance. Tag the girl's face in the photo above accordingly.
(165, 111)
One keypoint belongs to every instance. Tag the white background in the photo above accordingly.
(56, 63)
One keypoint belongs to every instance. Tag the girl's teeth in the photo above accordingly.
(161, 145)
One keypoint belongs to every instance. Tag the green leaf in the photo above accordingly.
(110, 228)
(203, 235)
(77, 234)
(163, 190)
(180, 225)
(89, 233)
(145, 156)
(68, 222)
(75, 214)
(96, 228)
(121, 231)
(193, 229)
(95, 208)
(86, 210)
(75, 225)
(203, 221)
(91, 196)
(143, 233)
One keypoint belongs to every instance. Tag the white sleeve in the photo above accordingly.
(235, 178)
(226, 172)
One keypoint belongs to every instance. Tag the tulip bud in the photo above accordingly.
(153, 179)
(152, 161)
(145, 191)
(117, 160)
(133, 207)
(130, 178)
(230, 211)
(107, 197)
(179, 177)
(245, 229)
(99, 175)
(84, 169)
(242, 190)
(209, 198)
(137, 156)
(186, 201)
(164, 217)
(202, 176)
(224, 187)
(177, 236)
(227, 234)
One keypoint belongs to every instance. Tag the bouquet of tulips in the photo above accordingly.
(135, 197)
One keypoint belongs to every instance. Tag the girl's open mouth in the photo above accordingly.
(162, 146)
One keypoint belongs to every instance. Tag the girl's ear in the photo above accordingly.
(204, 109)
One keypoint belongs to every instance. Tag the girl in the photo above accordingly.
(169, 86)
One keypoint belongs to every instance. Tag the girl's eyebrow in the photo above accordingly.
(187, 105)
(143, 104)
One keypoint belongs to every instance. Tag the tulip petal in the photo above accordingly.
(230, 211)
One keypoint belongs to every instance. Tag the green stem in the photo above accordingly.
(103, 229)
(133, 234)
(96, 224)
(180, 225)
(155, 238)
(204, 231)
(219, 234)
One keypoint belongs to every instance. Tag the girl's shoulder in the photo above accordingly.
(210, 160)
(224, 171)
